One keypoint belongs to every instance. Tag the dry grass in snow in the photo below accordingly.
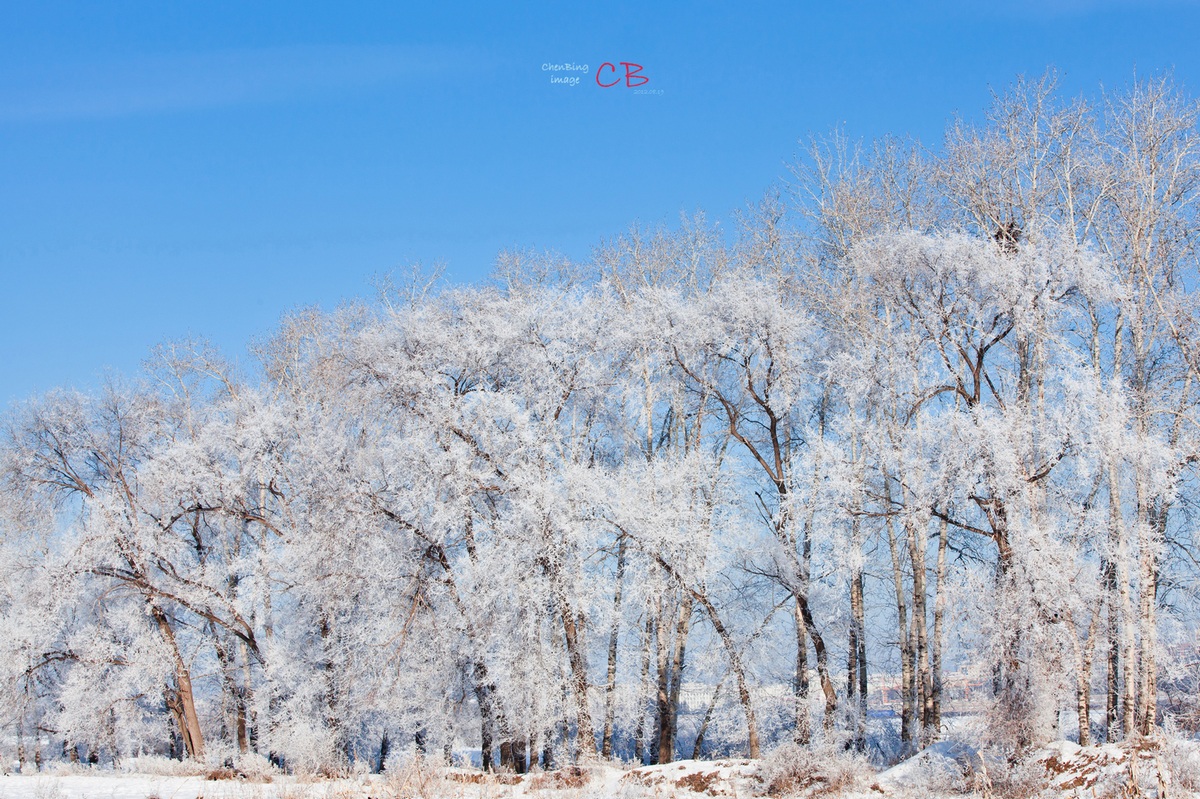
(1142, 769)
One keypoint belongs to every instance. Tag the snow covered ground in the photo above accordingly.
(106, 785)
(1162, 770)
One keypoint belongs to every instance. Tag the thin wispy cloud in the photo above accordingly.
(156, 84)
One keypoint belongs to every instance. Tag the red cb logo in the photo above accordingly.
(632, 73)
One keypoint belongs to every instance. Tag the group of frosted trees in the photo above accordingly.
(924, 413)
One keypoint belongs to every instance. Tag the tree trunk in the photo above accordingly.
(856, 645)
(485, 743)
(1127, 642)
(610, 686)
(1112, 682)
(334, 721)
(1083, 681)
(520, 754)
(577, 659)
(639, 733)
(385, 746)
(731, 651)
(180, 698)
(905, 642)
(822, 661)
(804, 614)
(485, 694)
(935, 646)
(663, 684)
(1154, 533)
(861, 622)
(856, 676)
(234, 699)
(803, 731)
(21, 758)
(669, 715)
(1007, 667)
(924, 684)
(698, 746)
(247, 698)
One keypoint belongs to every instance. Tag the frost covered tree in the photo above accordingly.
(931, 412)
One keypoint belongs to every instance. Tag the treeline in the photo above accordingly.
(924, 411)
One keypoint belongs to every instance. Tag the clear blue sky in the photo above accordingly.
(200, 168)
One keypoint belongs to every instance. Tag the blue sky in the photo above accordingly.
(200, 168)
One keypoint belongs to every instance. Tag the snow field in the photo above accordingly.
(1147, 769)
